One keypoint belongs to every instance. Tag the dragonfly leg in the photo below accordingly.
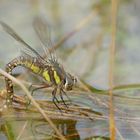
(36, 86)
(54, 98)
(61, 96)
(66, 95)
(35, 89)
(30, 87)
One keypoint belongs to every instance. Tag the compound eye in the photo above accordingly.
(74, 80)
(69, 87)
(67, 84)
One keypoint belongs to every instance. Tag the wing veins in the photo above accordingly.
(42, 30)
(12, 33)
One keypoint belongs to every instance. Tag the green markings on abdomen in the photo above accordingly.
(35, 69)
(32, 65)
(56, 77)
(46, 76)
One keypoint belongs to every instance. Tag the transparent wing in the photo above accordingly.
(26, 48)
(43, 32)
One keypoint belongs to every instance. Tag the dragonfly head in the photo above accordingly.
(69, 81)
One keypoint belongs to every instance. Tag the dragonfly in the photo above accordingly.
(46, 67)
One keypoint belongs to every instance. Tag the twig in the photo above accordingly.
(136, 130)
(111, 69)
(22, 130)
(121, 137)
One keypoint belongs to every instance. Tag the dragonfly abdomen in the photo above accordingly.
(30, 63)
(9, 85)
